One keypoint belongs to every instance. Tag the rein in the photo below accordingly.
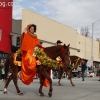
(50, 55)
(62, 51)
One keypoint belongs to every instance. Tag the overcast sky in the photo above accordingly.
(73, 13)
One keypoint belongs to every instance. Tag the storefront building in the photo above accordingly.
(49, 31)
(5, 28)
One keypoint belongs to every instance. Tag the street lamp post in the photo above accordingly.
(92, 57)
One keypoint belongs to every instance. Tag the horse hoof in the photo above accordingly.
(73, 85)
(5, 92)
(42, 95)
(20, 93)
(59, 84)
(49, 94)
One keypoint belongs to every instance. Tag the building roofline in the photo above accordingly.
(78, 50)
(12, 33)
(49, 18)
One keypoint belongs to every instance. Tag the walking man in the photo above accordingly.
(83, 68)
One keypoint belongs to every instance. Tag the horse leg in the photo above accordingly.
(69, 77)
(50, 89)
(7, 83)
(41, 85)
(16, 83)
(47, 76)
(60, 77)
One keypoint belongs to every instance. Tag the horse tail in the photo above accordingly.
(7, 66)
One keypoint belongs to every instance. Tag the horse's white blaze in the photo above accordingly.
(70, 63)
(70, 60)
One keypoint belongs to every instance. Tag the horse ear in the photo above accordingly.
(64, 45)
(68, 45)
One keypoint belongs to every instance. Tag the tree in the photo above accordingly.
(98, 39)
(85, 31)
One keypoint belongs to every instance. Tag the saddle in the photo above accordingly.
(17, 58)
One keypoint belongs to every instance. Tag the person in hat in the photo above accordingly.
(58, 42)
(83, 68)
(59, 71)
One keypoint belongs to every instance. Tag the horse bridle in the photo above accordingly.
(64, 58)
(60, 54)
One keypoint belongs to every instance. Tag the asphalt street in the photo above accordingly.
(83, 90)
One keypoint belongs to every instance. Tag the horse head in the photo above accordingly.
(61, 51)
(65, 55)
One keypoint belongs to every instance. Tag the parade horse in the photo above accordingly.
(52, 52)
(75, 61)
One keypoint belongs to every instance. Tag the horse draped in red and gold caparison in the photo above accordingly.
(47, 57)
(75, 61)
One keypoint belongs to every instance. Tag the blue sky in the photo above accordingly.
(73, 13)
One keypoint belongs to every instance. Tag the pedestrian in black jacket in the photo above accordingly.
(83, 68)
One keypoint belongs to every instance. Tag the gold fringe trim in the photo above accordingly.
(18, 63)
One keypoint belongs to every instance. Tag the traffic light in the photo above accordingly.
(18, 42)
